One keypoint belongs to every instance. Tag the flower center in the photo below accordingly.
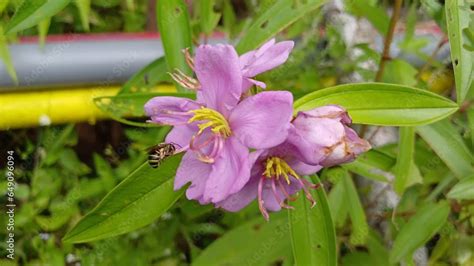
(212, 119)
(277, 167)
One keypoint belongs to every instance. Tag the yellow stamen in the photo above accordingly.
(211, 118)
(276, 167)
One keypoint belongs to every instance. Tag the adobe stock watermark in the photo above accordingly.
(10, 205)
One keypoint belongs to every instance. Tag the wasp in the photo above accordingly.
(157, 153)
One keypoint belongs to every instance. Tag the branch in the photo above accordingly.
(388, 39)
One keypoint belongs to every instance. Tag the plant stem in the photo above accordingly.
(386, 49)
(388, 39)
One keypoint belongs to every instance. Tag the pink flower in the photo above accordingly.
(323, 136)
(276, 174)
(319, 137)
(268, 56)
(218, 129)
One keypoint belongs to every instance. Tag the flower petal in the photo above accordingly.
(194, 171)
(262, 121)
(170, 110)
(218, 70)
(230, 172)
(314, 135)
(328, 111)
(181, 135)
(268, 56)
(241, 199)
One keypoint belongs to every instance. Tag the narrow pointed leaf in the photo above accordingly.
(419, 229)
(30, 13)
(147, 78)
(382, 104)
(43, 28)
(129, 105)
(464, 190)
(460, 22)
(373, 164)
(6, 58)
(406, 149)
(137, 201)
(254, 243)
(175, 32)
(279, 15)
(313, 237)
(449, 146)
(84, 7)
(208, 19)
(360, 228)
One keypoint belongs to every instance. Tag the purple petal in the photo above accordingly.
(262, 121)
(181, 135)
(269, 200)
(218, 70)
(241, 199)
(194, 171)
(268, 56)
(356, 144)
(329, 111)
(303, 168)
(230, 172)
(323, 132)
(170, 110)
(347, 150)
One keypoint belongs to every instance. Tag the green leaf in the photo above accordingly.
(464, 190)
(375, 14)
(279, 15)
(373, 164)
(399, 72)
(173, 22)
(30, 13)
(360, 228)
(137, 201)
(131, 105)
(105, 172)
(382, 104)
(312, 231)
(5, 56)
(208, 19)
(458, 14)
(3, 5)
(147, 78)
(254, 243)
(419, 229)
(337, 204)
(470, 119)
(84, 7)
(406, 149)
(43, 27)
(448, 144)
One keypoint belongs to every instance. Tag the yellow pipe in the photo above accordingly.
(40, 108)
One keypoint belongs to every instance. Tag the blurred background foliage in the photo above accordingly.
(64, 171)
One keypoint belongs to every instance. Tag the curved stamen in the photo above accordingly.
(216, 149)
(185, 80)
(210, 118)
(199, 147)
(283, 190)
(277, 197)
(189, 58)
(307, 193)
(260, 199)
(311, 185)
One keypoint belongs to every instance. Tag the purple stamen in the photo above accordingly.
(283, 190)
(307, 193)
(277, 197)
(260, 200)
